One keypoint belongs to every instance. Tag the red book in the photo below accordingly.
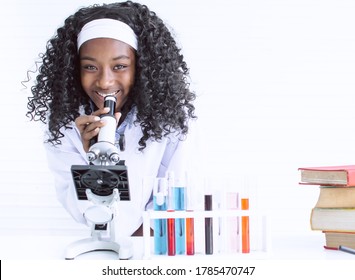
(340, 175)
(330, 248)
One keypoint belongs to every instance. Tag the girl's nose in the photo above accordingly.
(105, 79)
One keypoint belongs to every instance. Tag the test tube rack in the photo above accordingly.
(262, 236)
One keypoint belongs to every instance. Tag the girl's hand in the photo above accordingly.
(89, 125)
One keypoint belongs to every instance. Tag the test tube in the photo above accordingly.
(208, 226)
(171, 221)
(233, 223)
(245, 227)
(190, 222)
(160, 225)
(179, 192)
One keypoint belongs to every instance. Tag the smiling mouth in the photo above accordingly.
(108, 94)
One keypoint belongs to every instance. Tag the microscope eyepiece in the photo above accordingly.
(110, 102)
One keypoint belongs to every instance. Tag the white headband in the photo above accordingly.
(107, 28)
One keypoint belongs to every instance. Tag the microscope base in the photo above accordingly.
(89, 245)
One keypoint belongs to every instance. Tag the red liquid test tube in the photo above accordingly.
(171, 235)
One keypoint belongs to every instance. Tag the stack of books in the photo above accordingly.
(334, 212)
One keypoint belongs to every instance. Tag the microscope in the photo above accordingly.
(103, 182)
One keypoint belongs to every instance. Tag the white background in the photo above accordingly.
(276, 88)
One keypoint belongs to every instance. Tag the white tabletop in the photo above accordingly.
(282, 247)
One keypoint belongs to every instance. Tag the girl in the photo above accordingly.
(126, 51)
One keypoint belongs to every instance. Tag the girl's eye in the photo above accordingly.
(89, 67)
(119, 67)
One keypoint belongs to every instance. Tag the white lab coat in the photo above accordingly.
(154, 161)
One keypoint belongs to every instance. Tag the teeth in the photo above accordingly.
(106, 94)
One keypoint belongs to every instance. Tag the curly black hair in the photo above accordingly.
(161, 91)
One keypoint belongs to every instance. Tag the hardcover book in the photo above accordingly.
(335, 239)
(333, 219)
(336, 197)
(342, 175)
